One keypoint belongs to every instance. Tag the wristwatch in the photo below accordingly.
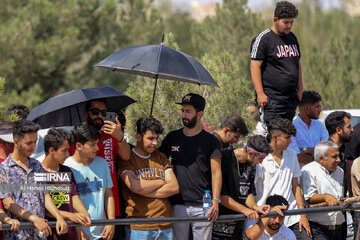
(217, 199)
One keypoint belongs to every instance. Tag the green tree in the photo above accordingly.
(40, 40)
(122, 24)
(232, 96)
(48, 47)
(330, 58)
(232, 29)
(3, 105)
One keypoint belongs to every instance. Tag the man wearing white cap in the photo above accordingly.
(6, 139)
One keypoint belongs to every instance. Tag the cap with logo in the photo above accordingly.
(194, 100)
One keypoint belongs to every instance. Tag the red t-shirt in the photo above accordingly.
(108, 149)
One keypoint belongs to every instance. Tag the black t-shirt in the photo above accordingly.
(190, 157)
(222, 145)
(342, 164)
(352, 148)
(280, 67)
(238, 180)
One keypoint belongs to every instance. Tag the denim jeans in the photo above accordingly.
(160, 234)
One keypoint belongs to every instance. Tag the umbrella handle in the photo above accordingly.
(152, 103)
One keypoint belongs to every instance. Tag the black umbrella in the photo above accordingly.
(158, 61)
(67, 109)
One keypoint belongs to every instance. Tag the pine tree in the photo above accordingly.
(232, 96)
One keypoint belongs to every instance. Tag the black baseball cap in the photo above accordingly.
(195, 100)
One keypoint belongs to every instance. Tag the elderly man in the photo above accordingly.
(322, 181)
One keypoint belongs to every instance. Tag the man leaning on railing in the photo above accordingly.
(322, 181)
(148, 180)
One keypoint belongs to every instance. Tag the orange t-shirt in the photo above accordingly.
(137, 206)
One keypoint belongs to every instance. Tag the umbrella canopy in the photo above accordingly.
(67, 109)
(158, 61)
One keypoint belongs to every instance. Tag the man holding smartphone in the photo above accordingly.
(111, 144)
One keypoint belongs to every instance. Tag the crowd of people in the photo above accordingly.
(110, 178)
(90, 171)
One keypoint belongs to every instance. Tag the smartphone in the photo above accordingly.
(110, 116)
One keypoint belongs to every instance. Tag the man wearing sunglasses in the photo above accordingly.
(111, 144)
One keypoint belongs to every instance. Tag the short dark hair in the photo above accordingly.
(88, 103)
(285, 9)
(334, 120)
(22, 127)
(147, 123)
(83, 133)
(19, 109)
(259, 143)
(310, 97)
(276, 200)
(235, 123)
(282, 125)
(55, 138)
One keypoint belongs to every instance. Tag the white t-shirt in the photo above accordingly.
(91, 182)
(284, 232)
(271, 179)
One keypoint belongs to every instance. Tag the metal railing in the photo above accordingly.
(222, 218)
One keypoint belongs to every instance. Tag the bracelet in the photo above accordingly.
(119, 141)
(301, 204)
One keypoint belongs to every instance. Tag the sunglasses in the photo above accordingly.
(96, 111)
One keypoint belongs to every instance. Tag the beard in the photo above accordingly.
(346, 138)
(274, 226)
(94, 123)
(314, 116)
(190, 122)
